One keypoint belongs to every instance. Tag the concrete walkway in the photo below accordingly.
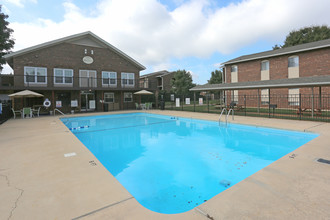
(38, 182)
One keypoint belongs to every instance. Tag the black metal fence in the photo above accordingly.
(301, 107)
(6, 112)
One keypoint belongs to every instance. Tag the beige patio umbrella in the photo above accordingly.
(143, 92)
(24, 94)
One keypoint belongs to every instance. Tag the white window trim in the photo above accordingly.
(89, 77)
(35, 76)
(127, 74)
(231, 68)
(264, 61)
(128, 93)
(113, 94)
(109, 84)
(264, 96)
(289, 62)
(63, 76)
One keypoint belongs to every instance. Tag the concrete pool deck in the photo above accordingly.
(38, 182)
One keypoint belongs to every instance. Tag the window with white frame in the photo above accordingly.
(128, 97)
(109, 78)
(109, 97)
(127, 79)
(264, 96)
(265, 70)
(35, 75)
(234, 97)
(293, 61)
(293, 69)
(63, 76)
(234, 76)
(87, 78)
(265, 65)
(233, 68)
(293, 98)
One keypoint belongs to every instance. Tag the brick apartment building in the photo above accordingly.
(81, 70)
(157, 82)
(287, 72)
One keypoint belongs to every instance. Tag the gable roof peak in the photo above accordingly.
(70, 39)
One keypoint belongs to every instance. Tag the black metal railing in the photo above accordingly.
(20, 82)
(301, 107)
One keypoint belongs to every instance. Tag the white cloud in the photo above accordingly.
(195, 76)
(153, 35)
(20, 3)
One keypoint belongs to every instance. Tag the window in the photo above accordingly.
(35, 75)
(265, 70)
(109, 97)
(109, 78)
(128, 97)
(264, 96)
(234, 77)
(87, 78)
(293, 98)
(63, 76)
(265, 65)
(127, 79)
(234, 96)
(293, 61)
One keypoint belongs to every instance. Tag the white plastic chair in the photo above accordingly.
(35, 112)
(16, 112)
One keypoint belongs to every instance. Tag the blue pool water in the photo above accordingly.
(171, 165)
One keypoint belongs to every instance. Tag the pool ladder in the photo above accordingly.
(227, 114)
(58, 111)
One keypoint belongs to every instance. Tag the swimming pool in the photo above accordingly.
(171, 165)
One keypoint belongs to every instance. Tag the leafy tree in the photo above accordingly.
(182, 82)
(216, 77)
(6, 42)
(305, 35)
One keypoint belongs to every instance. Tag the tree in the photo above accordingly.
(6, 42)
(305, 35)
(182, 82)
(216, 77)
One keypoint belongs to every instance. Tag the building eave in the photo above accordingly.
(9, 57)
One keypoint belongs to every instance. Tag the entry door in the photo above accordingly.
(87, 102)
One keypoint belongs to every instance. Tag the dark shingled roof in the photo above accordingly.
(265, 84)
(157, 74)
(281, 51)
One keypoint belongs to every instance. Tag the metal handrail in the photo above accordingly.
(58, 111)
(230, 110)
(224, 109)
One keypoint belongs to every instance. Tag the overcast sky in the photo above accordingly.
(194, 35)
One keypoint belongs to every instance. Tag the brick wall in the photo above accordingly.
(69, 56)
(311, 63)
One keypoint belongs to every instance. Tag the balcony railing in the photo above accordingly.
(74, 83)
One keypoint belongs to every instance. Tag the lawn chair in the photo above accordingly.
(16, 112)
(137, 106)
(27, 113)
(36, 112)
